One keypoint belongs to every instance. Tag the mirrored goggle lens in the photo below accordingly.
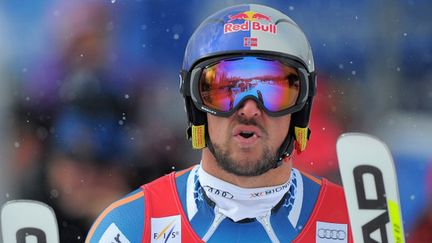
(223, 85)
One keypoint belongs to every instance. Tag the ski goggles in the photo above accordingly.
(278, 85)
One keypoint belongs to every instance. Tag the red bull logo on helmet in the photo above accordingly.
(249, 15)
(251, 21)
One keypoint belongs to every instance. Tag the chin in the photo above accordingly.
(247, 158)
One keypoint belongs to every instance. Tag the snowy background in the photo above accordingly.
(90, 109)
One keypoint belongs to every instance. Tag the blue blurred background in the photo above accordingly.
(90, 109)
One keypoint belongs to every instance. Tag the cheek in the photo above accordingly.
(280, 130)
(214, 128)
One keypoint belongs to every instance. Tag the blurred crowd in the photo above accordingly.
(90, 108)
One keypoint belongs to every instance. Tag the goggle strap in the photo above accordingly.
(302, 135)
(184, 83)
(198, 136)
(312, 84)
(197, 121)
(189, 133)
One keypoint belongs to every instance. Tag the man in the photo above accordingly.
(245, 188)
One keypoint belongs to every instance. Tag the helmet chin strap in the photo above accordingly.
(209, 143)
(285, 149)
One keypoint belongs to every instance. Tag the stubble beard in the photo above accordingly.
(248, 166)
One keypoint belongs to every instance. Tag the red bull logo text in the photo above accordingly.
(252, 21)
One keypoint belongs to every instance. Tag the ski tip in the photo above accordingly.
(359, 136)
(20, 219)
(26, 202)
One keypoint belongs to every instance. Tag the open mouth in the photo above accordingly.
(245, 131)
(246, 134)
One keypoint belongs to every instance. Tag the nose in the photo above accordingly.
(249, 109)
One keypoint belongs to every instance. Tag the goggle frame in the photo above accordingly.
(197, 70)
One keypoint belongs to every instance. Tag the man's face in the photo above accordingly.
(246, 143)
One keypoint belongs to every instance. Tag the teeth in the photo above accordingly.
(246, 134)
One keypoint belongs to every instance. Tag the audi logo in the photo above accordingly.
(218, 192)
(332, 234)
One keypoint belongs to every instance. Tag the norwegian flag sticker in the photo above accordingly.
(250, 41)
